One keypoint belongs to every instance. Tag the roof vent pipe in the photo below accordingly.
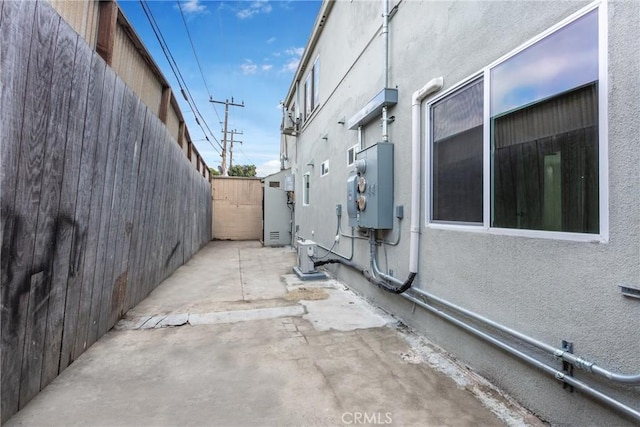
(432, 86)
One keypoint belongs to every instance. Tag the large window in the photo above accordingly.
(457, 156)
(532, 161)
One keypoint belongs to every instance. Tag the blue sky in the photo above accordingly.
(248, 50)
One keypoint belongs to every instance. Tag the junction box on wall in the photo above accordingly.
(370, 188)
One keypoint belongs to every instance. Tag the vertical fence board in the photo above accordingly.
(105, 258)
(95, 265)
(131, 144)
(52, 225)
(98, 203)
(17, 25)
(137, 237)
(146, 225)
(26, 284)
(63, 306)
(122, 159)
(83, 206)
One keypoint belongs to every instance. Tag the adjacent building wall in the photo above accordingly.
(106, 29)
(550, 289)
(278, 209)
(99, 205)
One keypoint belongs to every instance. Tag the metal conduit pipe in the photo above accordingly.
(380, 283)
(330, 250)
(556, 352)
(559, 375)
(401, 286)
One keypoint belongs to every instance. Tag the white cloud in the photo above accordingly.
(248, 68)
(268, 168)
(292, 65)
(256, 7)
(271, 40)
(193, 6)
(267, 67)
(295, 51)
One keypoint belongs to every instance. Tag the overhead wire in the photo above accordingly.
(245, 156)
(186, 27)
(184, 89)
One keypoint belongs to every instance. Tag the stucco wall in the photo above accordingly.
(546, 288)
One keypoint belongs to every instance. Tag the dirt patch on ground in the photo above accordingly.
(308, 294)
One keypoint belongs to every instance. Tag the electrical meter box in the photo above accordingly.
(370, 188)
(289, 183)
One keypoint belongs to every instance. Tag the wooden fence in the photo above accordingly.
(237, 208)
(98, 203)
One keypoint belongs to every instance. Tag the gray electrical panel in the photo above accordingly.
(370, 188)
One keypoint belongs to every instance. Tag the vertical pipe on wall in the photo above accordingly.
(416, 101)
(385, 42)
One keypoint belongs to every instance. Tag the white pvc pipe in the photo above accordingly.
(385, 38)
(416, 101)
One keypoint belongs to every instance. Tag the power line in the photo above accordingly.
(196, 56)
(184, 89)
(245, 156)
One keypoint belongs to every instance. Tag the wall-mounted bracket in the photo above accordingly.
(385, 98)
(566, 366)
(629, 291)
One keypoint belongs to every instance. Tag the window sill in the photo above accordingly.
(532, 234)
(312, 115)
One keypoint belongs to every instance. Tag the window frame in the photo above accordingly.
(308, 95)
(306, 188)
(603, 143)
(355, 149)
(315, 88)
(311, 90)
(324, 168)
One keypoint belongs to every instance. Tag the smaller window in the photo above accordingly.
(305, 189)
(308, 100)
(351, 155)
(274, 184)
(324, 168)
(311, 90)
(316, 83)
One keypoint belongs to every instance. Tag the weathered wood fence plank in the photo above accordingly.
(17, 21)
(98, 202)
(63, 314)
(85, 234)
(28, 283)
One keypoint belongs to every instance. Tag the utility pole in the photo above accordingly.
(224, 139)
(231, 147)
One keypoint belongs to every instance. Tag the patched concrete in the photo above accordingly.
(220, 346)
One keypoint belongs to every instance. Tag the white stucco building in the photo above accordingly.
(509, 196)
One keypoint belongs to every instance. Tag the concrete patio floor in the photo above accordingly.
(234, 339)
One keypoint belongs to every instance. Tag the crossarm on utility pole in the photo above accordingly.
(226, 121)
